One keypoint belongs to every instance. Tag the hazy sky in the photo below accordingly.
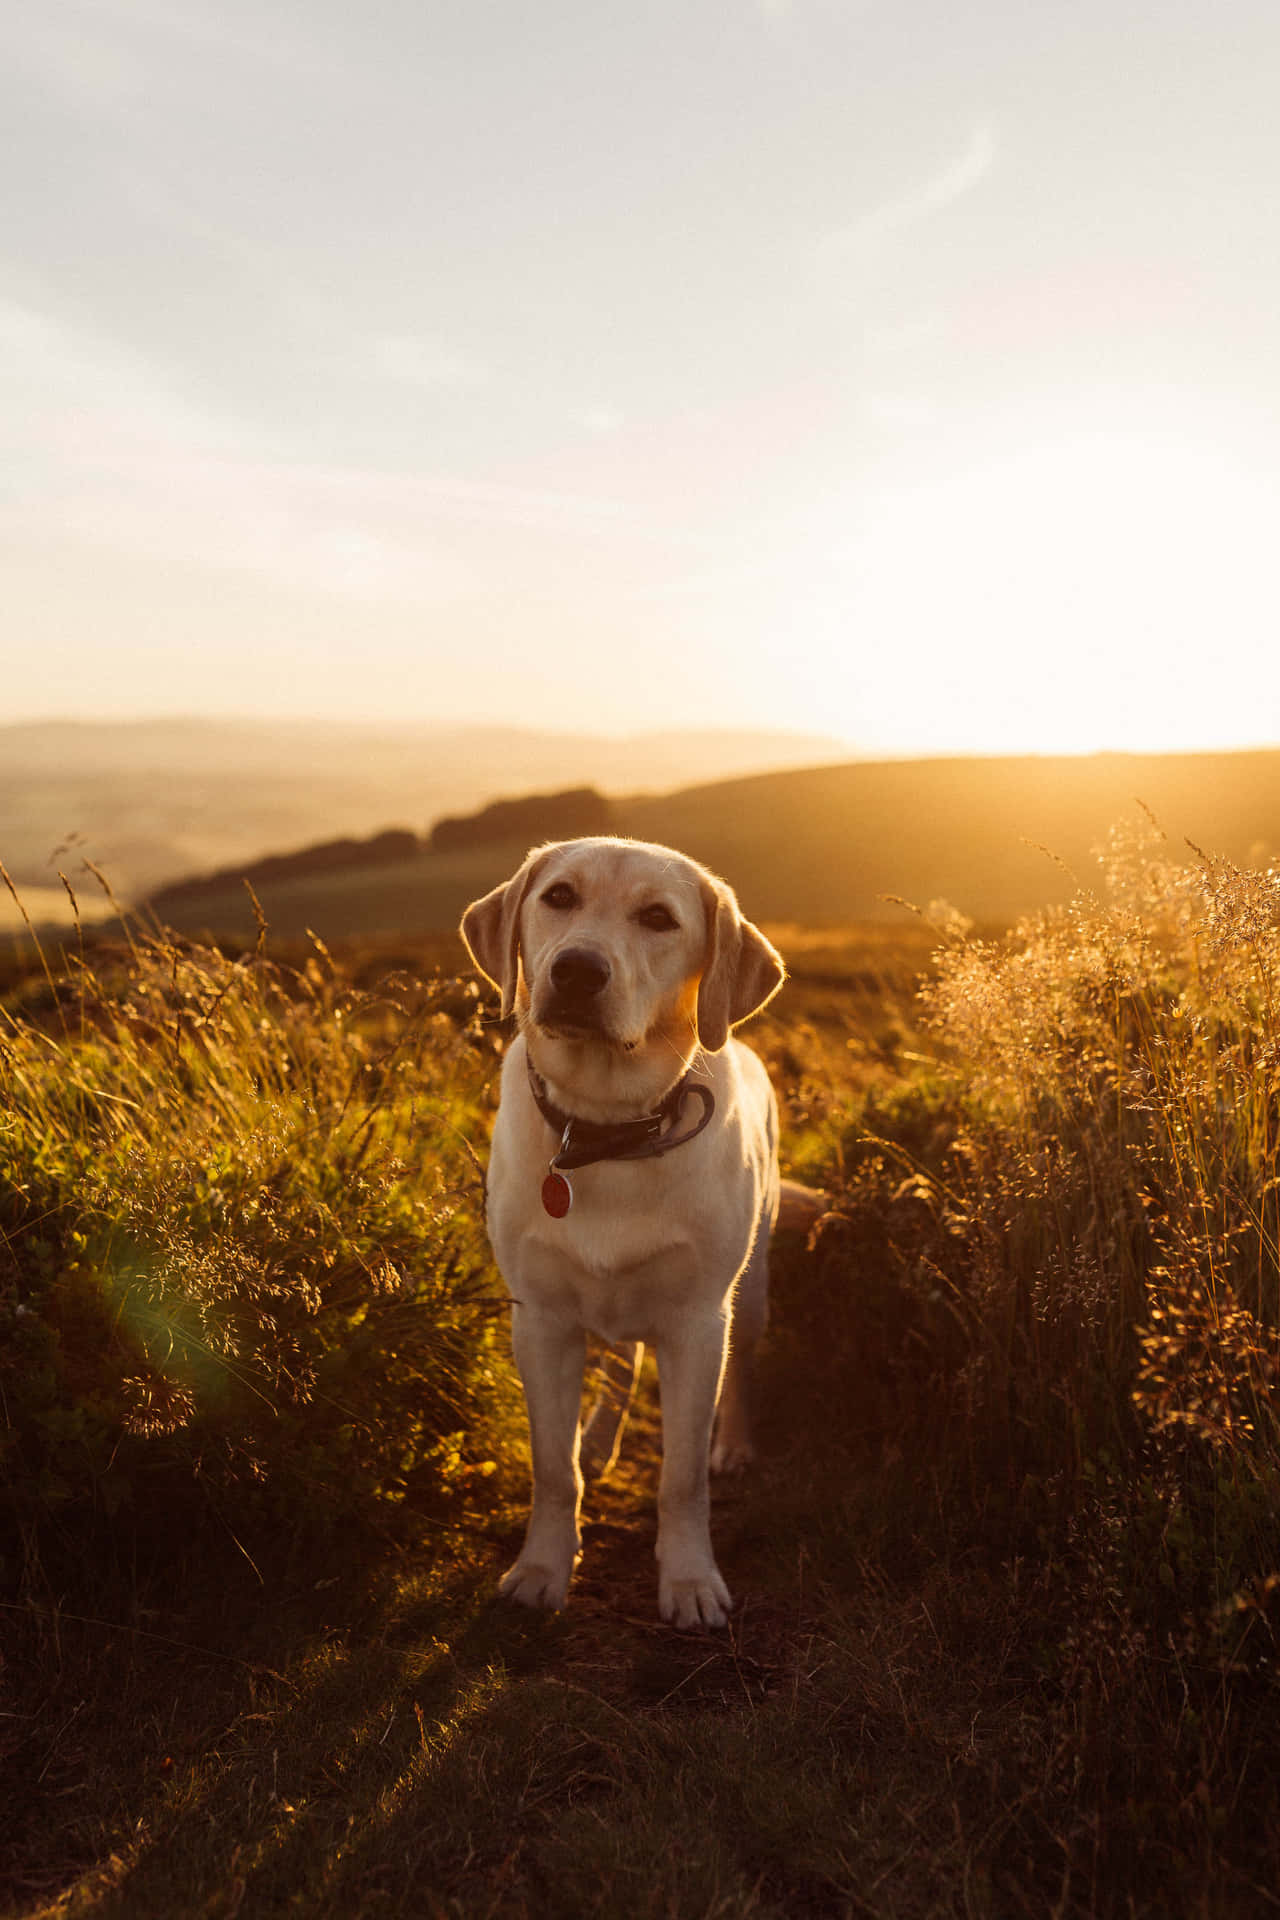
(905, 372)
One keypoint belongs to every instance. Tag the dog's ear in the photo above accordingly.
(743, 969)
(491, 928)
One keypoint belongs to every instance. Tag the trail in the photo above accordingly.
(613, 1639)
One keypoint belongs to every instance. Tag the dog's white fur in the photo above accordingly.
(669, 1251)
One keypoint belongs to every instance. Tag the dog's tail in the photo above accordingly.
(799, 1207)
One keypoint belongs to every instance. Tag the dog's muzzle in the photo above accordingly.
(577, 977)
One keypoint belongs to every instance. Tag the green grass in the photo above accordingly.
(1008, 1575)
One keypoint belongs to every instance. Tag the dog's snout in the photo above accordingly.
(579, 974)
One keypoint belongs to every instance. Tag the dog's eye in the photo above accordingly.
(560, 897)
(657, 918)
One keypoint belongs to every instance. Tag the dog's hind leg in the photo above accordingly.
(732, 1446)
(602, 1435)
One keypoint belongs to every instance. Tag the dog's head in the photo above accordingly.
(620, 946)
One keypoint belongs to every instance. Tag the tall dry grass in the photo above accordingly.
(1036, 1347)
(242, 1266)
(1117, 1151)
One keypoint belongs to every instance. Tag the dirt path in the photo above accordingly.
(613, 1639)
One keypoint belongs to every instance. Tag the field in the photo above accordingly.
(1008, 1577)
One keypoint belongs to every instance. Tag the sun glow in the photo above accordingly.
(1098, 592)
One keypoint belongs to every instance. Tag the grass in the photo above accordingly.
(1008, 1576)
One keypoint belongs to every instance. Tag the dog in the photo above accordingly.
(633, 1182)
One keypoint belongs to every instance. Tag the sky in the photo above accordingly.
(905, 374)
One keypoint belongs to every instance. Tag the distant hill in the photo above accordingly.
(155, 801)
(822, 846)
(995, 837)
(390, 848)
(541, 816)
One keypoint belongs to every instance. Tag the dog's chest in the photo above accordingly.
(644, 1243)
(612, 1259)
(637, 1304)
(625, 1272)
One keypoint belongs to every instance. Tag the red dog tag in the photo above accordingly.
(557, 1195)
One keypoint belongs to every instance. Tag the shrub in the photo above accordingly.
(1073, 1217)
(241, 1245)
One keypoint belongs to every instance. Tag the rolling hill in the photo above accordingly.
(154, 800)
(822, 846)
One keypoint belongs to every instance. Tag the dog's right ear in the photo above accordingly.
(491, 929)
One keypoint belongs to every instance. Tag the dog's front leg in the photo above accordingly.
(550, 1354)
(691, 1592)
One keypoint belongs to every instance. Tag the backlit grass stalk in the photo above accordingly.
(241, 1232)
(1117, 1068)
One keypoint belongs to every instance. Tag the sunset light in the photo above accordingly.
(1099, 592)
(640, 959)
(780, 362)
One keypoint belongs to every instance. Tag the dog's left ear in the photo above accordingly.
(491, 929)
(743, 969)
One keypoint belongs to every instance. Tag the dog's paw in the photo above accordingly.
(731, 1455)
(695, 1600)
(534, 1583)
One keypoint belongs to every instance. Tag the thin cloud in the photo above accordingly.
(426, 363)
(252, 35)
(100, 57)
(103, 449)
(70, 398)
(899, 409)
(603, 419)
(951, 183)
(87, 70)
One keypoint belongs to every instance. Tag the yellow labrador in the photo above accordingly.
(633, 1181)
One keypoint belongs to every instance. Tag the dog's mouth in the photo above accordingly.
(568, 1023)
(570, 1016)
(562, 1018)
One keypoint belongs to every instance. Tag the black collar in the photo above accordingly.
(583, 1142)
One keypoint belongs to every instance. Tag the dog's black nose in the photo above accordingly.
(579, 974)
